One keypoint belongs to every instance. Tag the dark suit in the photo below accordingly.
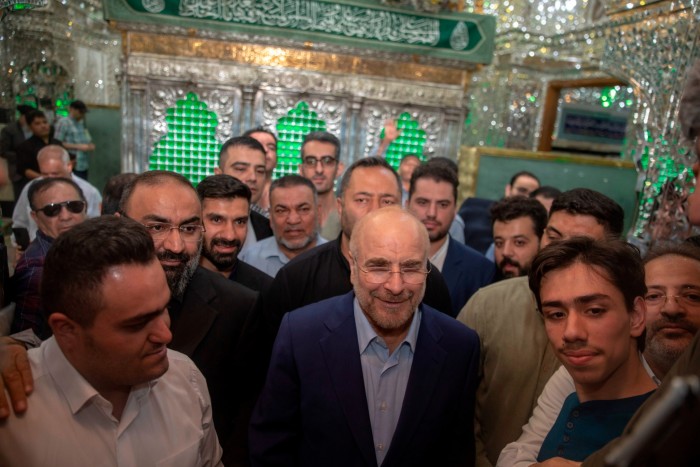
(217, 326)
(313, 409)
(251, 277)
(261, 225)
(465, 271)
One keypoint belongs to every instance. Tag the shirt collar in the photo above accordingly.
(438, 259)
(366, 333)
(75, 388)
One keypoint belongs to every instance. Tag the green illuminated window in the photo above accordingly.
(411, 141)
(190, 147)
(291, 130)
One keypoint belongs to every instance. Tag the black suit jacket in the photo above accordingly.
(217, 326)
(261, 225)
(251, 277)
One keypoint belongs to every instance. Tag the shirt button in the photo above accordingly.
(383, 406)
(575, 413)
(560, 452)
(566, 438)
(380, 447)
(569, 425)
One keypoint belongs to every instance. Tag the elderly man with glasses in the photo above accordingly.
(372, 377)
(57, 205)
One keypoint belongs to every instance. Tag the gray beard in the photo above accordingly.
(179, 281)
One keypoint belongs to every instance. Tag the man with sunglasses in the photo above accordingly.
(57, 204)
(54, 161)
(371, 377)
(320, 163)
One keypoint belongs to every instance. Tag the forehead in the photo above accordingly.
(56, 193)
(427, 187)
(320, 148)
(575, 281)
(234, 207)
(572, 225)
(244, 154)
(263, 137)
(292, 195)
(410, 161)
(169, 200)
(373, 180)
(130, 290)
(672, 270)
(525, 180)
(393, 238)
(519, 226)
(51, 163)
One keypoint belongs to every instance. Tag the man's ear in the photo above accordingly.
(64, 329)
(508, 190)
(638, 317)
(217, 171)
(340, 170)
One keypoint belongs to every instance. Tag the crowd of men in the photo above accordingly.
(311, 320)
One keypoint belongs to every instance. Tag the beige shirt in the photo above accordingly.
(516, 362)
(166, 422)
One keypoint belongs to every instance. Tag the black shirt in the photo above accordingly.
(27, 151)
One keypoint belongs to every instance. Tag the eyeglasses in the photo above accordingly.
(689, 298)
(326, 161)
(53, 209)
(188, 232)
(380, 275)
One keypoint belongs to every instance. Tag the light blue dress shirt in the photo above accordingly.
(267, 256)
(385, 377)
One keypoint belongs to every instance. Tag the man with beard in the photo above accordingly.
(672, 277)
(372, 377)
(294, 221)
(517, 360)
(320, 163)
(518, 224)
(225, 209)
(432, 198)
(214, 321)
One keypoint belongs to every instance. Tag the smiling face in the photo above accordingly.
(172, 203)
(433, 203)
(126, 343)
(590, 328)
(671, 325)
(226, 224)
(515, 245)
(247, 165)
(65, 220)
(395, 241)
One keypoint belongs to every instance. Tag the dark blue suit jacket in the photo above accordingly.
(313, 410)
(465, 271)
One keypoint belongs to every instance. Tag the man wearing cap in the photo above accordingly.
(76, 138)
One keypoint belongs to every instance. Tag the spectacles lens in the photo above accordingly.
(51, 210)
(76, 207)
(328, 161)
(311, 161)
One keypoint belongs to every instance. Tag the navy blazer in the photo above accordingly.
(465, 271)
(313, 409)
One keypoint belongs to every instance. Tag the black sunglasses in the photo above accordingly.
(53, 209)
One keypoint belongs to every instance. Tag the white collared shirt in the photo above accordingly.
(166, 422)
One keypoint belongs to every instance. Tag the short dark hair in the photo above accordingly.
(437, 172)
(24, 109)
(587, 202)
(546, 191)
(113, 190)
(515, 207)
(151, 178)
(620, 262)
(685, 249)
(523, 173)
(79, 106)
(40, 186)
(260, 129)
(292, 180)
(79, 259)
(366, 163)
(223, 186)
(409, 156)
(322, 137)
(444, 162)
(240, 141)
(33, 115)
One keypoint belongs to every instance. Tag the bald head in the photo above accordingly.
(54, 162)
(390, 222)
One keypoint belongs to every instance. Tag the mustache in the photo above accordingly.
(388, 297)
(681, 323)
(506, 261)
(170, 256)
(226, 243)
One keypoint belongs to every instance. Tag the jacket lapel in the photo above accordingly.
(196, 316)
(342, 356)
(428, 360)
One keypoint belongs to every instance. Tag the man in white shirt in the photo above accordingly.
(54, 162)
(107, 391)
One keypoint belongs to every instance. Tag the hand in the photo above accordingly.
(88, 147)
(391, 132)
(557, 462)
(15, 376)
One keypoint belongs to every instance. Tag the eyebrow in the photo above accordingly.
(582, 300)
(145, 317)
(681, 287)
(164, 220)
(554, 229)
